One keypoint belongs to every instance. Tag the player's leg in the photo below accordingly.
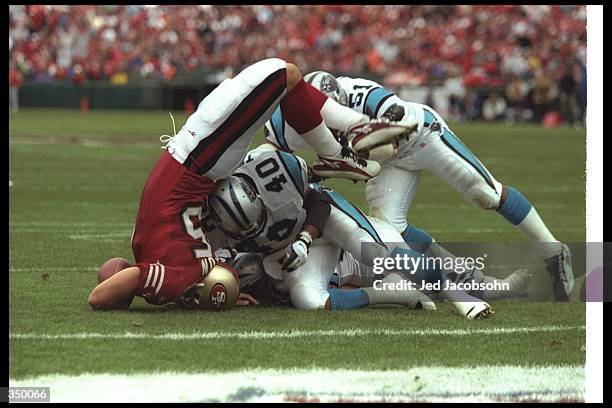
(309, 112)
(353, 274)
(390, 194)
(370, 239)
(356, 243)
(301, 108)
(216, 137)
(448, 158)
(467, 305)
(308, 286)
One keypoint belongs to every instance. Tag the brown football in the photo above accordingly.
(111, 267)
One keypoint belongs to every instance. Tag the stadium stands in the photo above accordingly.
(482, 46)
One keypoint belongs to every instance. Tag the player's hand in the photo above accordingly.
(226, 255)
(244, 299)
(296, 253)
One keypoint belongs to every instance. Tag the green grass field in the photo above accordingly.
(74, 189)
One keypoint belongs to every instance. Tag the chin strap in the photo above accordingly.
(166, 139)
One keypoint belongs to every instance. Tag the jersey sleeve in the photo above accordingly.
(160, 284)
(297, 169)
(365, 96)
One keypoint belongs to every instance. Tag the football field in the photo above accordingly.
(74, 187)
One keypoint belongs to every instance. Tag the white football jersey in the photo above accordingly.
(281, 180)
(370, 98)
(363, 96)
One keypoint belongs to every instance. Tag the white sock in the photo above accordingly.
(322, 141)
(340, 117)
(534, 228)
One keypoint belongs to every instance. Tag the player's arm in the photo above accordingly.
(117, 291)
(317, 208)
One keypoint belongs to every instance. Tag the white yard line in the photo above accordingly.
(466, 207)
(488, 230)
(431, 384)
(108, 237)
(292, 334)
(55, 269)
(56, 224)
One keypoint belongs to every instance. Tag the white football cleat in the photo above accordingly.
(424, 302)
(518, 281)
(474, 310)
(346, 165)
(364, 136)
(560, 269)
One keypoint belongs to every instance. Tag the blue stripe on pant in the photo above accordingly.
(278, 126)
(292, 165)
(460, 149)
(353, 212)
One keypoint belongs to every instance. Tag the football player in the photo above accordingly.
(434, 147)
(267, 207)
(349, 273)
(169, 246)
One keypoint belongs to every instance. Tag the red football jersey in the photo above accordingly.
(168, 243)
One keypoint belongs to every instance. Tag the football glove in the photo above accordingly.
(226, 255)
(296, 253)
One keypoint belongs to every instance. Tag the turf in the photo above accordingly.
(77, 180)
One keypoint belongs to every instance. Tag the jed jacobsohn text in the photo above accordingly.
(437, 286)
(411, 264)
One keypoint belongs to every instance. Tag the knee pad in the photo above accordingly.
(305, 297)
(398, 222)
(483, 196)
(376, 213)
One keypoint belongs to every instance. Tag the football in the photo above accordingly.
(219, 290)
(111, 267)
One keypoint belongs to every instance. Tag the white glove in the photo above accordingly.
(296, 253)
(226, 255)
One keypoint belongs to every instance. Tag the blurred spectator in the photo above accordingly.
(516, 96)
(472, 105)
(543, 95)
(461, 48)
(568, 94)
(580, 72)
(494, 107)
(429, 98)
(455, 90)
(15, 81)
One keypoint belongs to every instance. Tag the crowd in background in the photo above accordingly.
(532, 57)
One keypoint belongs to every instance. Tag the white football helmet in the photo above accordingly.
(236, 208)
(250, 269)
(327, 83)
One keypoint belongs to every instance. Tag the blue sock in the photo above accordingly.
(418, 239)
(516, 207)
(334, 280)
(347, 299)
(428, 273)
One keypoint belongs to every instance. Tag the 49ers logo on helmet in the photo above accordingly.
(218, 296)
